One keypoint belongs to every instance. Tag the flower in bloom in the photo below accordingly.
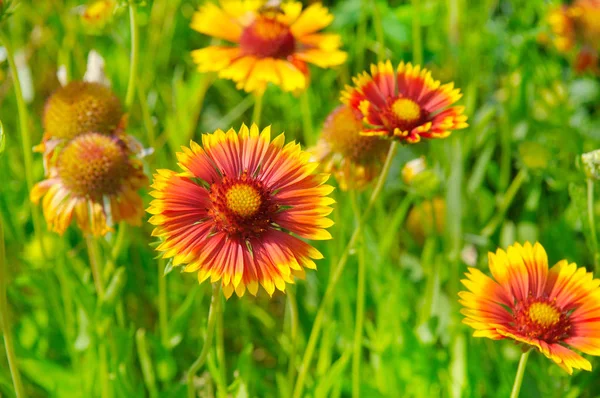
(553, 310)
(406, 105)
(270, 44)
(354, 159)
(576, 29)
(95, 179)
(237, 211)
(98, 13)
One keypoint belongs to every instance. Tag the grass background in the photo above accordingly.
(531, 118)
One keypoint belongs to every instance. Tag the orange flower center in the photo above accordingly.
(402, 113)
(243, 200)
(267, 37)
(241, 207)
(93, 165)
(540, 319)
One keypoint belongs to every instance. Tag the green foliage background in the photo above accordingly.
(530, 117)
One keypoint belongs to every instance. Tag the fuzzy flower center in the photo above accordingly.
(93, 165)
(406, 109)
(243, 200)
(541, 319)
(402, 113)
(242, 207)
(267, 37)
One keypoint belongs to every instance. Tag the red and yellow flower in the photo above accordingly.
(271, 44)
(406, 105)
(237, 211)
(553, 310)
(94, 178)
(576, 29)
(354, 159)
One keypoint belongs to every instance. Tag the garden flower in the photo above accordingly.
(407, 105)
(576, 28)
(354, 159)
(81, 107)
(96, 179)
(412, 169)
(237, 211)
(552, 310)
(271, 44)
(98, 13)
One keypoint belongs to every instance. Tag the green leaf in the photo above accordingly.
(56, 380)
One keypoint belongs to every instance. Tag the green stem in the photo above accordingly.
(92, 249)
(416, 33)
(591, 219)
(337, 272)
(215, 307)
(118, 242)
(146, 363)
(379, 34)
(163, 308)
(4, 323)
(360, 313)
(220, 340)
(519, 377)
(105, 391)
(293, 308)
(25, 137)
(307, 129)
(509, 196)
(133, 66)
(257, 112)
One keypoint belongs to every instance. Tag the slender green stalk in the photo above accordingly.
(163, 307)
(133, 66)
(257, 112)
(509, 196)
(379, 34)
(4, 323)
(92, 249)
(293, 308)
(117, 245)
(146, 363)
(360, 313)
(25, 136)
(105, 390)
(591, 219)
(519, 377)
(416, 33)
(215, 307)
(220, 340)
(307, 128)
(337, 273)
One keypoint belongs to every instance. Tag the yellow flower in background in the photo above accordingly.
(81, 107)
(576, 27)
(98, 13)
(423, 216)
(239, 210)
(270, 44)
(95, 179)
(412, 169)
(552, 310)
(354, 159)
(406, 105)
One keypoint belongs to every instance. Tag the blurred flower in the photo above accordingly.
(407, 105)
(81, 107)
(412, 168)
(98, 13)
(549, 309)
(354, 160)
(95, 178)
(591, 164)
(420, 220)
(576, 28)
(231, 213)
(273, 44)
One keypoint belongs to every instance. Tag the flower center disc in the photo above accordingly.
(93, 165)
(243, 200)
(267, 37)
(403, 114)
(542, 320)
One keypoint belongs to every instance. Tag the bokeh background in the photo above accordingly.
(514, 175)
